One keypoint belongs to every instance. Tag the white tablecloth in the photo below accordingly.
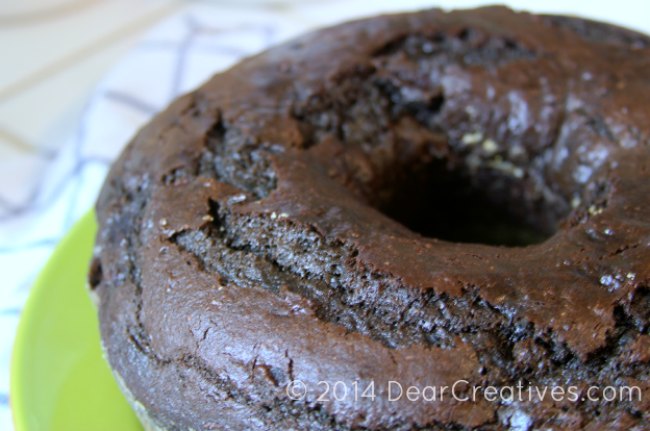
(174, 57)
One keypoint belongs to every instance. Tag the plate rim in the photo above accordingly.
(17, 404)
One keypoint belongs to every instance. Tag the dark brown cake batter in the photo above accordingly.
(420, 198)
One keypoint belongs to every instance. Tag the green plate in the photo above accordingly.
(59, 379)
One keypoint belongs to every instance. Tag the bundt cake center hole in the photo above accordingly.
(443, 204)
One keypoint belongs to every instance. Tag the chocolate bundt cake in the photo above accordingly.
(391, 206)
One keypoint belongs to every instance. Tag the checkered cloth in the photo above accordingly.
(174, 57)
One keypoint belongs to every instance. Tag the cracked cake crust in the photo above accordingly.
(245, 239)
